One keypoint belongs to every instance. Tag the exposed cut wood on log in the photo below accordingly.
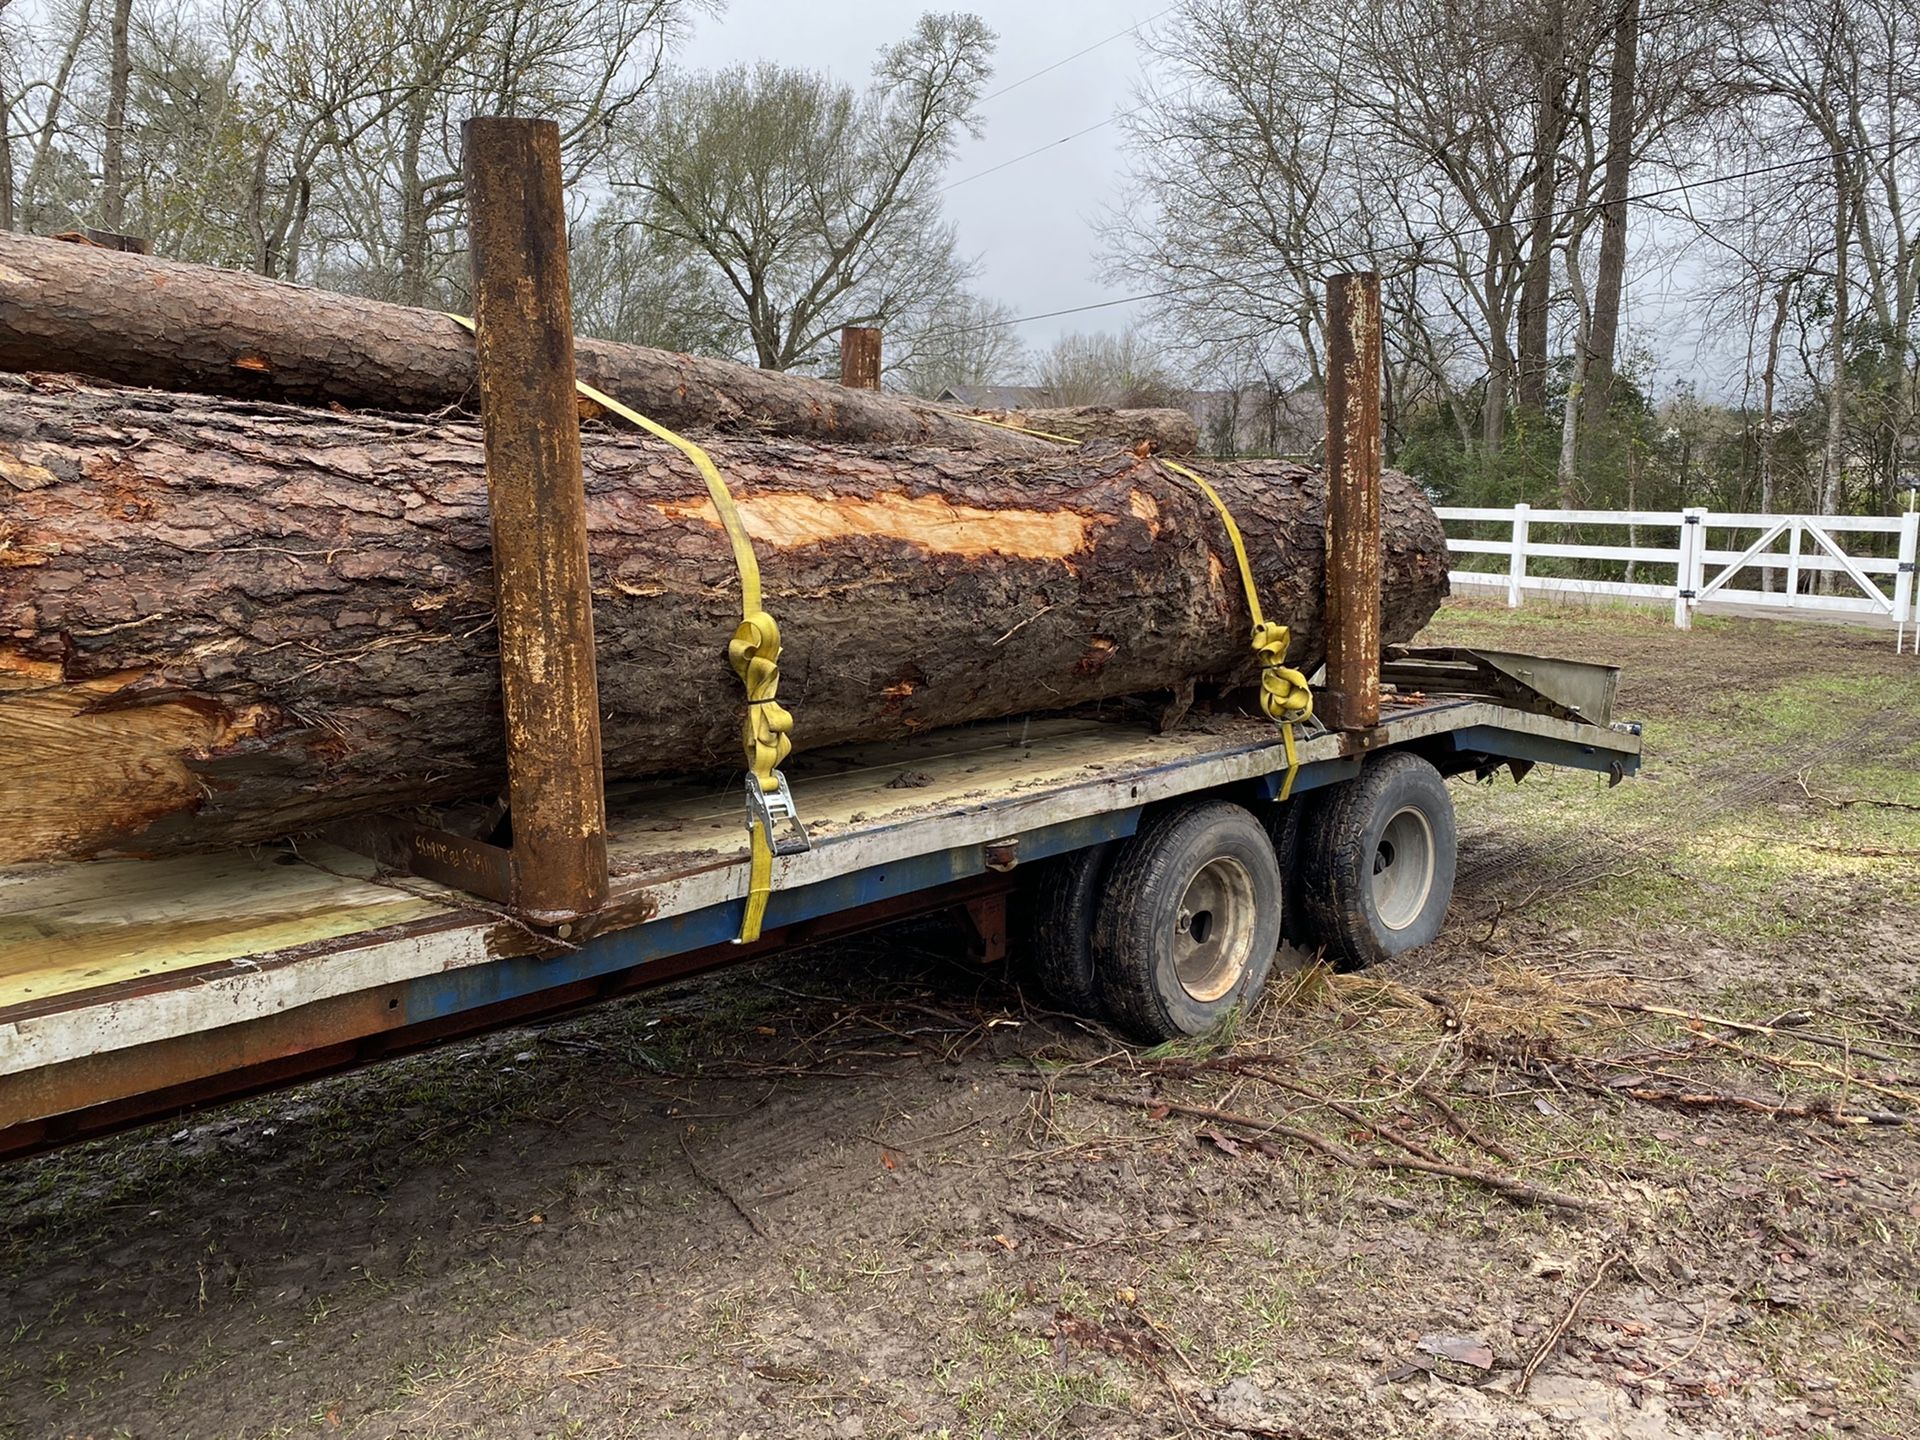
(142, 321)
(1170, 431)
(223, 621)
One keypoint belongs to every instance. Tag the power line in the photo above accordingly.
(1055, 314)
(1042, 149)
(1414, 244)
(1069, 59)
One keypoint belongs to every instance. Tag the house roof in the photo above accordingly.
(995, 397)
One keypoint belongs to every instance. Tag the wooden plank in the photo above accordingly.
(89, 924)
(672, 827)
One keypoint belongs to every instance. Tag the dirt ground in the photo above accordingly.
(1629, 1152)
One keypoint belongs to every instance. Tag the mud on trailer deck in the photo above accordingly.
(133, 989)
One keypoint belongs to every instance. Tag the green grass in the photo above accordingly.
(1005, 1380)
(1718, 836)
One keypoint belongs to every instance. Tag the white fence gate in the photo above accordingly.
(1703, 575)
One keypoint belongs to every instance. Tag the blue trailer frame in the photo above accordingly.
(135, 989)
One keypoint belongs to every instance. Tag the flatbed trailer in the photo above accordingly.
(1169, 869)
(134, 989)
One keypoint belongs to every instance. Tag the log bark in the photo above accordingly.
(1169, 431)
(138, 320)
(226, 621)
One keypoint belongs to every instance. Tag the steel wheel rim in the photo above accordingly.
(1213, 930)
(1403, 863)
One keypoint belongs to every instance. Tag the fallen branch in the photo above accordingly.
(1506, 1185)
(1865, 852)
(717, 1188)
(1837, 803)
(1772, 1109)
(1346, 1112)
(1463, 1130)
(1787, 1062)
(1749, 1027)
(1555, 1335)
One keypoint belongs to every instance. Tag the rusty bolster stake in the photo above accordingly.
(537, 498)
(860, 357)
(1352, 697)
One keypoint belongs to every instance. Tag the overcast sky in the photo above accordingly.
(1031, 225)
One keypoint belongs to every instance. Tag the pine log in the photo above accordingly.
(1169, 431)
(223, 621)
(144, 321)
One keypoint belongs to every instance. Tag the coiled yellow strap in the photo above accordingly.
(754, 653)
(1285, 697)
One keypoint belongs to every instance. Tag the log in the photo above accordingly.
(1169, 431)
(225, 621)
(144, 321)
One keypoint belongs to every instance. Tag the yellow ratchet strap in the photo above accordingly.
(1022, 430)
(754, 653)
(1284, 696)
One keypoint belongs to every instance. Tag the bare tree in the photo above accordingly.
(1240, 196)
(389, 214)
(1882, 133)
(1555, 45)
(192, 136)
(313, 139)
(9, 93)
(1769, 391)
(1105, 369)
(819, 207)
(1566, 469)
(1843, 81)
(1383, 136)
(47, 131)
(636, 285)
(113, 189)
(335, 77)
(1622, 136)
(1450, 147)
(966, 340)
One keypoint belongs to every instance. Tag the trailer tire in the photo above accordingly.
(1285, 824)
(1066, 903)
(1375, 862)
(1189, 921)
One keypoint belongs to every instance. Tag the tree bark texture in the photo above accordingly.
(1833, 452)
(144, 321)
(113, 183)
(1623, 73)
(1169, 431)
(1536, 286)
(225, 621)
(6, 161)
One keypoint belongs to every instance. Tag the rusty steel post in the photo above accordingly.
(1351, 699)
(523, 310)
(860, 357)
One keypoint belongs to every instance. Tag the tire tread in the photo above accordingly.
(1124, 959)
(1066, 905)
(1332, 872)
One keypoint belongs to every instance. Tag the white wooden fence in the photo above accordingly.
(1691, 572)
